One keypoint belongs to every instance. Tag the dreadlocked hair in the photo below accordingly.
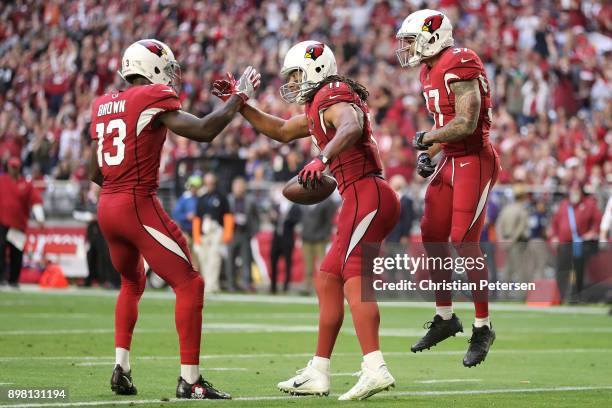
(359, 89)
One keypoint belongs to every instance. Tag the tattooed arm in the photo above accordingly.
(467, 110)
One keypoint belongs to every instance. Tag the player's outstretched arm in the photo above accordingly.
(467, 110)
(202, 129)
(348, 122)
(236, 93)
(274, 127)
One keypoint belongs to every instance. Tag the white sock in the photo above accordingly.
(445, 312)
(321, 364)
(190, 373)
(122, 357)
(482, 321)
(374, 360)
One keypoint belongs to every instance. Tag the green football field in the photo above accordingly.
(542, 357)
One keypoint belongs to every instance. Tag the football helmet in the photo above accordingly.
(314, 61)
(153, 60)
(423, 34)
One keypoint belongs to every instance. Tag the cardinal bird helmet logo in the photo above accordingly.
(153, 47)
(315, 51)
(432, 23)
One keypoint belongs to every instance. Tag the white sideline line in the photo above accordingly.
(73, 331)
(295, 300)
(450, 380)
(273, 398)
(204, 368)
(221, 327)
(294, 355)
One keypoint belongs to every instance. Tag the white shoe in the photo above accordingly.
(308, 381)
(370, 382)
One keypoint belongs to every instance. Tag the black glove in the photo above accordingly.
(424, 166)
(418, 141)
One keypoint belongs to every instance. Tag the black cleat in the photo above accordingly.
(200, 390)
(121, 382)
(439, 330)
(482, 339)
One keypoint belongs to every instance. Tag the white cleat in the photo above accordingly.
(308, 381)
(370, 382)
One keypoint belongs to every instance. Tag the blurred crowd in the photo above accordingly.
(549, 62)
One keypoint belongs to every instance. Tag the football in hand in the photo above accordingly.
(295, 192)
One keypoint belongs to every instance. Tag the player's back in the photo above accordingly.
(359, 160)
(457, 64)
(129, 140)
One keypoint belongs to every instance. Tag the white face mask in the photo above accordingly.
(574, 197)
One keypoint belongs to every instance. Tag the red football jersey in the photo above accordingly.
(129, 145)
(360, 159)
(16, 200)
(457, 64)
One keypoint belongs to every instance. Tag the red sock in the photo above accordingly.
(331, 311)
(188, 318)
(366, 317)
(475, 275)
(439, 250)
(481, 309)
(126, 310)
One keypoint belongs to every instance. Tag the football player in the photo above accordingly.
(457, 95)
(336, 114)
(128, 130)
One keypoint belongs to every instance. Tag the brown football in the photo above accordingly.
(294, 191)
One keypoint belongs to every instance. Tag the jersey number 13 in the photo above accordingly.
(103, 129)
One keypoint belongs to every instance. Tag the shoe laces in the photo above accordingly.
(428, 325)
(478, 337)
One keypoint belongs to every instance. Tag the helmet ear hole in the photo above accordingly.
(432, 39)
(157, 71)
(318, 69)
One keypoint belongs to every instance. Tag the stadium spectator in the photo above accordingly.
(245, 214)
(285, 216)
(403, 228)
(512, 227)
(185, 207)
(18, 199)
(209, 225)
(575, 227)
(184, 212)
(316, 230)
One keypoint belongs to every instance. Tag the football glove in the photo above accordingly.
(311, 174)
(425, 167)
(418, 141)
(244, 87)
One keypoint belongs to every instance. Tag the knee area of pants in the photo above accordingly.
(136, 287)
(194, 285)
(466, 248)
(430, 232)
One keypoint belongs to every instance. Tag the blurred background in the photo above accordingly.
(549, 64)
